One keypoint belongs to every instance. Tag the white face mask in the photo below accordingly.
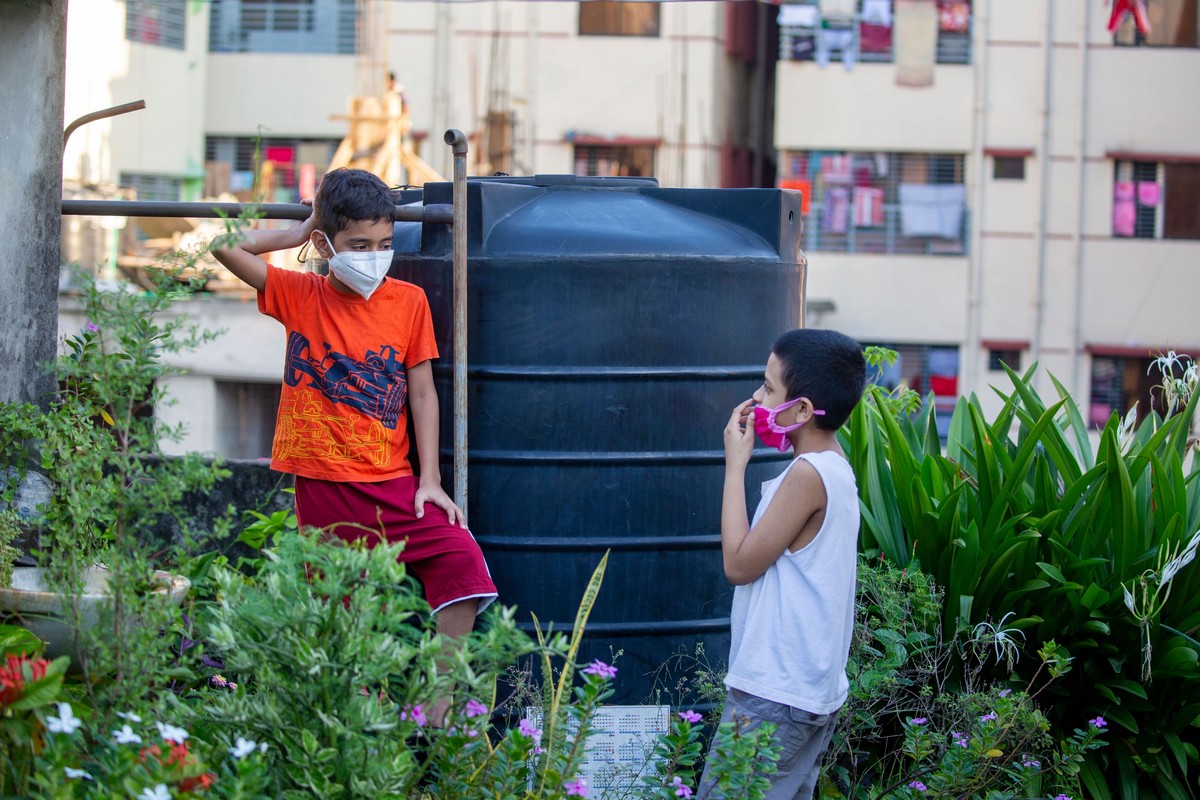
(362, 270)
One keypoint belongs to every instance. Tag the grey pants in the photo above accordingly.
(803, 738)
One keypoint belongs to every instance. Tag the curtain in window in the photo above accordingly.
(1181, 212)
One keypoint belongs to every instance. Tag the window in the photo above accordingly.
(866, 202)
(1156, 200)
(279, 162)
(283, 26)
(998, 357)
(925, 368)
(1008, 168)
(614, 160)
(618, 18)
(159, 22)
(861, 30)
(152, 187)
(1120, 381)
(246, 418)
(1173, 23)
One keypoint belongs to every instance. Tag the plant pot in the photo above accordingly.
(32, 604)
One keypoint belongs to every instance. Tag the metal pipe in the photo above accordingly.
(458, 142)
(972, 355)
(103, 113)
(1039, 276)
(1076, 384)
(434, 213)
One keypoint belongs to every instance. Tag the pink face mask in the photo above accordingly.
(770, 432)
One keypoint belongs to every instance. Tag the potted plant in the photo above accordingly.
(83, 482)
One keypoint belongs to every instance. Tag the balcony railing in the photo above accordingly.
(888, 239)
(268, 26)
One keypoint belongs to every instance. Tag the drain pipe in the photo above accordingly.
(1039, 285)
(458, 143)
(972, 355)
(1081, 198)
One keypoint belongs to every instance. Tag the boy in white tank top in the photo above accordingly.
(793, 564)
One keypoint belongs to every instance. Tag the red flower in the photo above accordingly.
(16, 672)
(198, 783)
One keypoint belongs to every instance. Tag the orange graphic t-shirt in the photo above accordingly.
(344, 405)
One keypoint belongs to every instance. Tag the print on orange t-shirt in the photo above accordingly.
(344, 400)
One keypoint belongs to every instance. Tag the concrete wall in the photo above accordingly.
(31, 129)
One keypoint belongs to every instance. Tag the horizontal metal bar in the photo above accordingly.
(651, 458)
(582, 373)
(440, 213)
(718, 625)
(566, 544)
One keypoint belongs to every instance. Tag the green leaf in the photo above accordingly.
(1052, 571)
(17, 641)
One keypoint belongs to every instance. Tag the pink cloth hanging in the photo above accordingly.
(868, 207)
(836, 211)
(1123, 190)
(1148, 193)
(835, 169)
(1124, 217)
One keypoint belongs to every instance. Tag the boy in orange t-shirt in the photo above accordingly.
(359, 347)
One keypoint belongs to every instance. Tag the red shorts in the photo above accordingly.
(444, 557)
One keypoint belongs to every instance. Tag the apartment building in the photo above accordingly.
(623, 88)
(998, 182)
(986, 181)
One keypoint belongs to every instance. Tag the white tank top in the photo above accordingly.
(791, 627)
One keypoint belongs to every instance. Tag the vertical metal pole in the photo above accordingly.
(458, 141)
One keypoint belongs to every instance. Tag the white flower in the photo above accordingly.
(244, 747)
(134, 718)
(66, 721)
(170, 733)
(126, 736)
(75, 774)
(159, 792)
(262, 747)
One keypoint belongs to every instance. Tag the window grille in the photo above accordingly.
(158, 22)
(1156, 200)
(1008, 168)
(246, 415)
(283, 26)
(1120, 381)
(998, 358)
(924, 368)
(152, 187)
(866, 35)
(246, 154)
(614, 160)
(869, 202)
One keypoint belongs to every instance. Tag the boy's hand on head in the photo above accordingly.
(438, 497)
(739, 436)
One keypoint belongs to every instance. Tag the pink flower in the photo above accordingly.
(527, 728)
(681, 788)
(576, 788)
(601, 669)
(690, 716)
(474, 709)
(1098, 722)
(416, 714)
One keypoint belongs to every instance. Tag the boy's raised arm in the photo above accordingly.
(241, 251)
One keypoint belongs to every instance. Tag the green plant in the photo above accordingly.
(1020, 520)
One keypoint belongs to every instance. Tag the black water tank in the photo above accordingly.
(613, 325)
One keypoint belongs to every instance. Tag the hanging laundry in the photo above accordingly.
(1148, 193)
(932, 209)
(793, 15)
(836, 169)
(914, 42)
(1124, 208)
(868, 207)
(802, 186)
(836, 210)
(839, 40)
(877, 12)
(1124, 7)
(838, 8)
(804, 47)
(954, 16)
(862, 173)
(875, 27)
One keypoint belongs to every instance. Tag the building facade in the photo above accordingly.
(986, 181)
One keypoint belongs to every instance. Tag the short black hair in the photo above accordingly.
(347, 196)
(825, 366)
